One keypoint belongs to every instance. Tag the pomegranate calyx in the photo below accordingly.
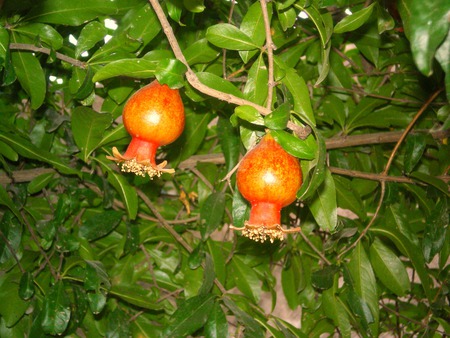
(260, 233)
(140, 168)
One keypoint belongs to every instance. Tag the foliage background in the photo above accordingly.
(87, 251)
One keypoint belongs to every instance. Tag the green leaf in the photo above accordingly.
(117, 324)
(435, 230)
(293, 145)
(9, 203)
(278, 118)
(13, 307)
(337, 310)
(171, 72)
(323, 204)
(194, 6)
(31, 76)
(253, 26)
(252, 327)
(217, 325)
(389, 268)
(354, 21)
(137, 295)
(26, 149)
(136, 68)
(414, 149)
(45, 34)
(4, 46)
(200, 52)
(40, 182)
(229, 142)
(26, 286)
(256, 87)
(246, 279)
(348, 197)
(364, 283)
(249, 114)
(227, 36)
(100, 225)
(75, 13)
(218, 83)
(240, 209)
(394, 229)
(88, 128)
(191, 315)
(443, 59)
(126, 191)
(91, 33)
(80, 84)
(428, 28)
(208, 276)
(300, 93)
(56, 310)
(211, 213)
(309, 187)
(324, 279)
(96, 277)
(114, 136)
(431, 180)
(293, 280)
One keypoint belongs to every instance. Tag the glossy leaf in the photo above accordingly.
(354, 21)
(136, 295)
(240, 209)
(56, 310)
(39, 183)
(336, 309)
(218, 83)
(229, 142)
(6, 200)
(200, 52)
(88, 128)
(137, 68)
(4, 46)
(293, 280)
(26, 286)
(126, 191)
(46, 34)
(249, 114)
(431, 180)
(13, 307)
(278, 118)
(76, 13)
(211, 213)
(92, 33)
(31, 76)
(117, 325)
(323, 204)
(435, 230)
(190, 316)
(217, 325)
(252, 327)
(415, 147)
(246, 279)
(227, 36)
(364, 283)
(253, 26)
(256, 87)
(293, 145)
(171, 72)
(427, 29)
(100, 225)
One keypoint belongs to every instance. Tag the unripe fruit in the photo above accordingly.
(153, 116)
(269, 178)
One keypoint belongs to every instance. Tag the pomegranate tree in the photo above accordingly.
(153, 116)
(269, 178)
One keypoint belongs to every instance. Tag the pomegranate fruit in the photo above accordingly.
(269, 178)
(153, 116)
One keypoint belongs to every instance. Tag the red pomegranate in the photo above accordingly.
(153, 116)
(269, 178)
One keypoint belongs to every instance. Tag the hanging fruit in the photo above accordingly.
(269, 178)
(154, 117)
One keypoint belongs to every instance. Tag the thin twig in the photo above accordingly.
(386, 171)
(11, 250)
(48, 51)
(174, 234)
(269, 49)
(313, 247)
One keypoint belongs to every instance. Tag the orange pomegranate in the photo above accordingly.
(269, 178)
(153, 116)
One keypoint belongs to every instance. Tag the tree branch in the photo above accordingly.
(48, 51)
(269, 49)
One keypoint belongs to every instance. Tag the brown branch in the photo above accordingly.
(27, 175)
(269, 49)
(386, 171)
(48, 51)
